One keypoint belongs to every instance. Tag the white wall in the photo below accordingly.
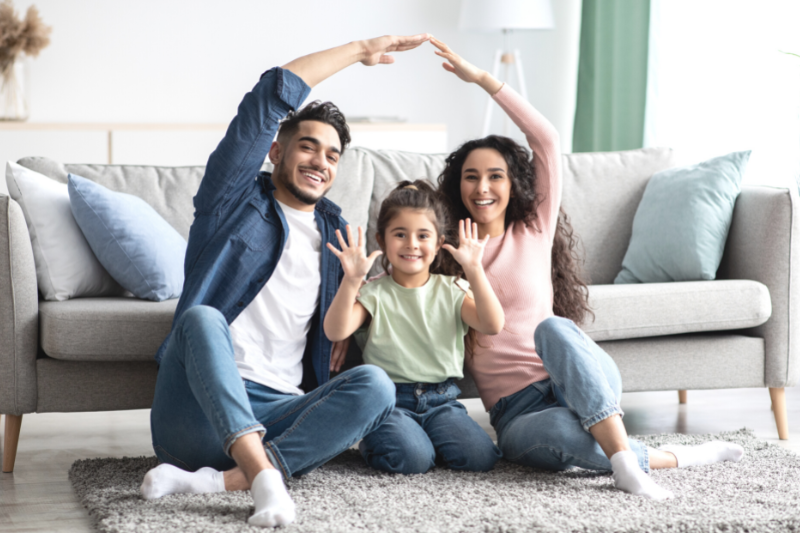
(191, 61)
(719, 83)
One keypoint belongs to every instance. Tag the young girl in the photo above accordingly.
(553, 394)
(417, 329)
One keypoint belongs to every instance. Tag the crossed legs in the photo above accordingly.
(574, 418)
(206, 419)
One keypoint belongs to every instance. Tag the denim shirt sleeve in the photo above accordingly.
(232, 168)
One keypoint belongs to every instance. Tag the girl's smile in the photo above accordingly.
(411, 243)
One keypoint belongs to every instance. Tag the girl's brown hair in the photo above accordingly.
(570, 293)
(417, 195)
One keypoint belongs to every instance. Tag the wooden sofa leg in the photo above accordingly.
(778, 396)
(681, 396)
(13, 425)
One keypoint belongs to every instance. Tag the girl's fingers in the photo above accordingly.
(374, 255)
(449, 248)
(360, 237)
(349, 235)
(468, 229)
(341, 239)
(333, 249)
(449, 68)
(461, 234)
(475, 230)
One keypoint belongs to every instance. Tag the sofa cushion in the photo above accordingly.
(657, 309)
(65, 265)
(140, 250)
(104, 329)
(682, 222)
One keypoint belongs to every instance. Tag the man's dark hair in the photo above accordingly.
(325, 112)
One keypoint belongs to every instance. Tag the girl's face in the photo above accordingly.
(486, 189)
(411, 243)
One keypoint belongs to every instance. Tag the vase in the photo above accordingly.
(13, 99)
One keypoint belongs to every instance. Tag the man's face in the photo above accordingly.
(305, 166)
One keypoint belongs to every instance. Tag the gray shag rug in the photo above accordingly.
(759, 494)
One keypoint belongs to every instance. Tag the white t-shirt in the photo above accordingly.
(269, 336)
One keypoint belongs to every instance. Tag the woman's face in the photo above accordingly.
(486, 189)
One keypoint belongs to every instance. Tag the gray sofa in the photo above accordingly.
(96, 354)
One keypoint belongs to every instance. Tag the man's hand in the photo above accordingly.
(318, 66)
(339, 353)
(376, 50)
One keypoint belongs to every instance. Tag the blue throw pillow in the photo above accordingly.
(682, 222)
(140, 250)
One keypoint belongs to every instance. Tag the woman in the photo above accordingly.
(552, 393)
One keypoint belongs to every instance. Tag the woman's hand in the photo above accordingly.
(464, 69)
(470, 249)
(353, 257)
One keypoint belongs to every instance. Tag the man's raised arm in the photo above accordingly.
(232, 167)
(318, 66)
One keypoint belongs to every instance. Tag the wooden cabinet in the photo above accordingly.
(178, 144)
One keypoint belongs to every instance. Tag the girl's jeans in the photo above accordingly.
(202, 405)
(427, 421)
(546, 425)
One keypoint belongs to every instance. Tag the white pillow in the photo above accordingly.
(65, 264)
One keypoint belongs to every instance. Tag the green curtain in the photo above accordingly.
(612, 75)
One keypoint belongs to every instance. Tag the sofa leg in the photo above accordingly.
(778, 396)
(681, 396)
(13, 425)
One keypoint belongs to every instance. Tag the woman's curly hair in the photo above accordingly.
(570, 293)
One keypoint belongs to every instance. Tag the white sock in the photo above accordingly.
(167, 479)
(628, 477)
(705, 454)
(274, 506)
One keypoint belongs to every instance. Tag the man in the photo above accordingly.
(244, 377)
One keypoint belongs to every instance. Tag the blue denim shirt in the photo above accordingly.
(239, 231)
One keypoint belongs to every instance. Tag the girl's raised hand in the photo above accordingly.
(353, 257)
(470, 249)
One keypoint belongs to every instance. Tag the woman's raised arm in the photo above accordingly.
(541, 134)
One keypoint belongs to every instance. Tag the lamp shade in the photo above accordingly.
(494, 15)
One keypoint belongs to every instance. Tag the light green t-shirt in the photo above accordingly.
(416, 335)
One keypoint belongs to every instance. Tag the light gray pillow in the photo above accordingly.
(65, 265)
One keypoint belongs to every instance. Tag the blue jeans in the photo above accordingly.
(427, 421)
(202, 405)
(546, 424)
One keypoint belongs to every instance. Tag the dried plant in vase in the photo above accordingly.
(18, 36)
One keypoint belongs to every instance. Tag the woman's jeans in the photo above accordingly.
(546, 425)
(427, 421)
(202, 405)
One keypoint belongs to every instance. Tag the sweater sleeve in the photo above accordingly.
(544, 142)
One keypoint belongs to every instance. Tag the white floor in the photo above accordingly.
(37, 496)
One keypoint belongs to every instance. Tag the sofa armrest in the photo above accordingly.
(19, 312)
(763, 246)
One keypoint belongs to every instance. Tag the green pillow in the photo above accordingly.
(682, 222)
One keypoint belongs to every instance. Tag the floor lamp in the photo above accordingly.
(507, 16)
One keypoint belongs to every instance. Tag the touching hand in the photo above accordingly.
(456, 64)
(470, 249)
(376, 50)
(353, 256)
(339, 354)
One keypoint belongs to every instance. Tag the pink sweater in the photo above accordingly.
(517, 265)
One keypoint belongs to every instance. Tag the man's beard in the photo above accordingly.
(281, 176)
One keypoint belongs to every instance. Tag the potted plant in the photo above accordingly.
(18, 38)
